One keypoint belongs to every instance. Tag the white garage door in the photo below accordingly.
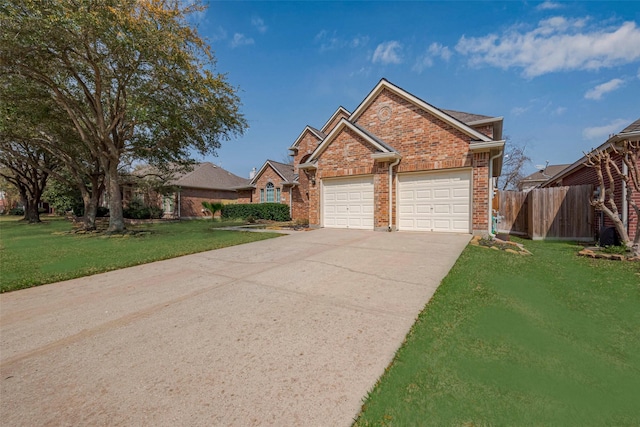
(348, 203)
(435, 201)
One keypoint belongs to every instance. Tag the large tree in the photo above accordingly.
(607, 164)
(24, 166)
(133, 76)
(30, 116)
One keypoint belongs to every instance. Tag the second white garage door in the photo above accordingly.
(435, 201)
(348, 203)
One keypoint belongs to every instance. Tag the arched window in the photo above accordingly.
(270, 192)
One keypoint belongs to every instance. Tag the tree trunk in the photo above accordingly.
(90, 210)
(31, 214)
(116, 218)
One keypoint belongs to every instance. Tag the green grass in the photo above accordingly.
(546, 340)
(35, 254)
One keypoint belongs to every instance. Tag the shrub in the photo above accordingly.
(268, 211)
(137, 210)
(16, 211)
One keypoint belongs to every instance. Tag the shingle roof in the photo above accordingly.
(209, 176)
(633, 127)
(466, 117)
(284, 169)
(547, 173)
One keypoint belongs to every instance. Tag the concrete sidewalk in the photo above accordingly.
(287, 331)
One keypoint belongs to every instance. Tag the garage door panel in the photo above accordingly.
(434, 201)
(348, 203)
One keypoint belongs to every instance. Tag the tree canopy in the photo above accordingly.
(133, 77)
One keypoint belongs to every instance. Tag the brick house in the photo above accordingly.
(272, 183)
(397, 163)
(540, 177)
(185, 191)
(578, 174)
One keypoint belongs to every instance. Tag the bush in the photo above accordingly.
(268, 211)
(16, 211)
(137, 210)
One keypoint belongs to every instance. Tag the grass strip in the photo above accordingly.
(549, 339)
(35, 254)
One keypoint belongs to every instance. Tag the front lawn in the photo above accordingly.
(34, 254)
(507, 340)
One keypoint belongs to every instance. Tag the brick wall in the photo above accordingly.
(245, 196)
(300, 193)
(270, 175)
(332, 124)
(191, 200)
(428, 144)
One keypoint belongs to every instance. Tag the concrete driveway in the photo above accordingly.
(288, 331)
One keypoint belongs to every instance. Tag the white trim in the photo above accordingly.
(384, 84)
(255, 178)
(486, 121)
(336, 130)
(308, 165)
(333, 116)
(383, 157)
(294, 146)
(486, 146)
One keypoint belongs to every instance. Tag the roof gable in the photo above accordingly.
(341, 111)
(377, 143)
(384, 84)
(284, 170)
(307, 129)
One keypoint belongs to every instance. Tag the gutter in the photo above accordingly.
(491, 189)
(391, 165)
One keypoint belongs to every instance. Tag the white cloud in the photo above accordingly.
(639, 73)
(388, 53)
(258, 23)
(518, 111)
(559, 111)
(556, 44)
(241, 40)
(603, 132)
(333, 41)
(548, 5)
(598, 91)
(359, 41)
(219, 34)
(436, 49)
(426, 60)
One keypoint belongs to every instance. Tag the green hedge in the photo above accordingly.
(269, 211)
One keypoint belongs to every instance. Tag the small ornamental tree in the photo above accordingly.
(604, 164)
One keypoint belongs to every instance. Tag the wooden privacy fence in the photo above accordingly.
(547, 213)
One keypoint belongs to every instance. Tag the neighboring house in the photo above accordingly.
(395, 163)
(273, 183)
(540, 177)
(187, 191)
(578, 173)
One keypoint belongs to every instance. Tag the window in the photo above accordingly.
(270, 192)
(262, 195)
(277, 195)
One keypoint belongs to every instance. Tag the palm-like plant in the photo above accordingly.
(213, 207)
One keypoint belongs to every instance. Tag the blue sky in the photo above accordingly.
(564, 75)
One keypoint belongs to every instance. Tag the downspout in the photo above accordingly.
(491, 159)
(391, 165)
(179, 198)
(625, 202)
